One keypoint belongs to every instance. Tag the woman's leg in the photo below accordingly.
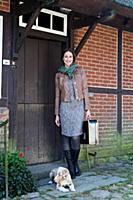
(68, 156)
(75, 149)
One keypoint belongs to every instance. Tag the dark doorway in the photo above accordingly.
(37, 135)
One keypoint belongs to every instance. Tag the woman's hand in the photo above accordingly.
(88, 115)
(57, 120)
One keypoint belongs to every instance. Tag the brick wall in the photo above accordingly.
(5, 5)
(127, 60)
(128, 84)
(128, 118)
(99, 59)
(98, 56)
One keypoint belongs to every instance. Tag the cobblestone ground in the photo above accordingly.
(112, 181)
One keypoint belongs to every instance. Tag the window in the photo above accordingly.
(47, 21)
(57, 23)
(44, 20)
(1, 47)
(26, 18)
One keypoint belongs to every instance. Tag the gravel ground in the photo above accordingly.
(111, 181)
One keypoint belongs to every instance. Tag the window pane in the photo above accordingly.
(26, 18)
(44, 20)
(58, 23)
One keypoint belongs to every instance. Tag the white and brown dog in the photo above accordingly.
(62, 178)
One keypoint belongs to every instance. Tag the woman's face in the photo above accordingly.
(68, 58)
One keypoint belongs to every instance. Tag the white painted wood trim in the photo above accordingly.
(51, 13)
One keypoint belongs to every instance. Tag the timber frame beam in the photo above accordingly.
(33, 7)
(30, 23)
(85, 37)
(29, 6)
(93, 22)
(26, 7)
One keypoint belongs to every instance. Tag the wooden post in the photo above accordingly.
(6, 158)
(85, 37)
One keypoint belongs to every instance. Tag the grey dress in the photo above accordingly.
(72, 114)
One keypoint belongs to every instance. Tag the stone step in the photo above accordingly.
(41, 171)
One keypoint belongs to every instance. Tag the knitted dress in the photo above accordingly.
(72, 114)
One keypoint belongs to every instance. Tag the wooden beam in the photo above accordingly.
(85, 37)
(70, 31)
(26, 7)
(88, 7)
(119, 83)
(93, 8)
(33, 17)
(83, 22)
(29, 6)
(102, 90)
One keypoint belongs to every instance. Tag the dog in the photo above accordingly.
(61, 176)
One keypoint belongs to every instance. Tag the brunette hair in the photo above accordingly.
(70, 50)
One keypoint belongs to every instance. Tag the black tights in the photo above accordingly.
(71, 142)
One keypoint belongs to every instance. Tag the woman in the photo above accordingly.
(71, 103)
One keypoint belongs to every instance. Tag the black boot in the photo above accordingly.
(70, 164)
(75, 154)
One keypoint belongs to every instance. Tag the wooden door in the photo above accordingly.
(37, 135)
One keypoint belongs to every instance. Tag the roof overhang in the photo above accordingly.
(122, 17)
(93, 8)
(109, 12)
(81, 13)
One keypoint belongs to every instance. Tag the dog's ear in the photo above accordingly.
(56, 179)
(60, 173)
(66, 171)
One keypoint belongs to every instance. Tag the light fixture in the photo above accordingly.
(65, 10)
(106, 15)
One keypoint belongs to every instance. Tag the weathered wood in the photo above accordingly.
(31, 71)
(31, 131)
(26, 7)
(21, 79)
(88, 7)
(102, 90)
(6, 54)
(35, 7)
(36, 129)
(93, 8)
(42, 72)
(127, 92)
(33, 17)
(14, 26)
(52, 68)
(20, 124)
(12, 100)
(119, 22)
(46, 36)
(70, 30)
(80, 21)
(119, 83)
(96, 9)
(12, 79)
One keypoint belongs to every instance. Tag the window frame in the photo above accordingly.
(51, 30)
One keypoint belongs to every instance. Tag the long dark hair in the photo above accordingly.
(70, 50)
